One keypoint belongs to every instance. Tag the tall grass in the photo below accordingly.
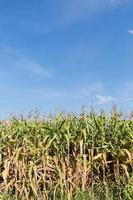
(67, 157)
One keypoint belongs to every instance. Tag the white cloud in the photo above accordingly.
(80, 9)
(32, 67)
(13, 60)
(130, 31)
(92, 89)
(68, 12)
(126, 92)
(129, 99)
(105, 99)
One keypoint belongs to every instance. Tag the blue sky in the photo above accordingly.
(59, 55)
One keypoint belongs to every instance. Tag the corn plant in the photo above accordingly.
(89, 156)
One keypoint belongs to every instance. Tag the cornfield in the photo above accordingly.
(67, 157)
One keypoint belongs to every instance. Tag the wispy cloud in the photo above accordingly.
(92, 89)
(130, 31)
(70, 11)
(105, 99)
(14, 60)
(80, 9)
(33, 93)
(126, 92)
(120, 2)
